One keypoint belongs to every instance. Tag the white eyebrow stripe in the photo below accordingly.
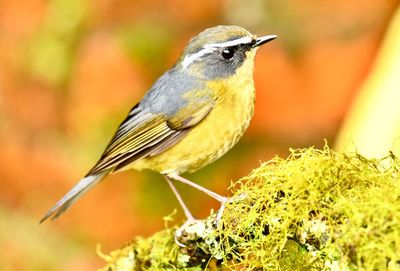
(210, 48)
(242, 40)
(189, 59)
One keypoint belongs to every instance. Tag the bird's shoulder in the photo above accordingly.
(176, 98)
(175, 91)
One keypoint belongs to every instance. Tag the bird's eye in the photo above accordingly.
(228, 53)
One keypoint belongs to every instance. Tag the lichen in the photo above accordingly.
(315, 210)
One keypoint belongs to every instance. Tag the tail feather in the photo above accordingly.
(74, 194)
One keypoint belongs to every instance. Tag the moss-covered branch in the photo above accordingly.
(316, 210)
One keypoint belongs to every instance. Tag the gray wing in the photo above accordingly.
(164, 116)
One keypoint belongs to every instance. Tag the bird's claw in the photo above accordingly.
(220, 212)
(179, 232)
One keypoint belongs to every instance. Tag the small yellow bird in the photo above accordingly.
(191, 116)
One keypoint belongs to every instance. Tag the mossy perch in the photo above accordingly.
(316, 210)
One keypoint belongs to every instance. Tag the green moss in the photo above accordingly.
(315, 210)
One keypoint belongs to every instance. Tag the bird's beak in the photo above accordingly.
(264, 39)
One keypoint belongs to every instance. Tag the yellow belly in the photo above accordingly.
(220, 130)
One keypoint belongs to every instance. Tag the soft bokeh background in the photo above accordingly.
(71, 69)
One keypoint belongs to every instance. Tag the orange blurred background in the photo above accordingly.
(70, 70)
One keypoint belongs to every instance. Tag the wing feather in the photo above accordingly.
(131, 143)
(144, 133)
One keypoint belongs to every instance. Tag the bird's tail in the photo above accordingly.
(74, 194)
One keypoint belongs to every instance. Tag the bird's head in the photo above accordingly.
(218, 52)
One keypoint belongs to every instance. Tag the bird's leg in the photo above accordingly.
(188, 214)
(189, 217)
(212, 194)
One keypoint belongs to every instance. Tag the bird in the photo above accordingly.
(191, 116)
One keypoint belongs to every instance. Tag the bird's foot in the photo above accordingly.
(224, 202)
(220, 212)
(191, 228)
(195, 229)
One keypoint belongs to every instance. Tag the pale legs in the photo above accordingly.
(189, 216)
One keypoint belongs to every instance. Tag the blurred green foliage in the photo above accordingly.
(148, 43)
(36, 244)
(50, 53)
